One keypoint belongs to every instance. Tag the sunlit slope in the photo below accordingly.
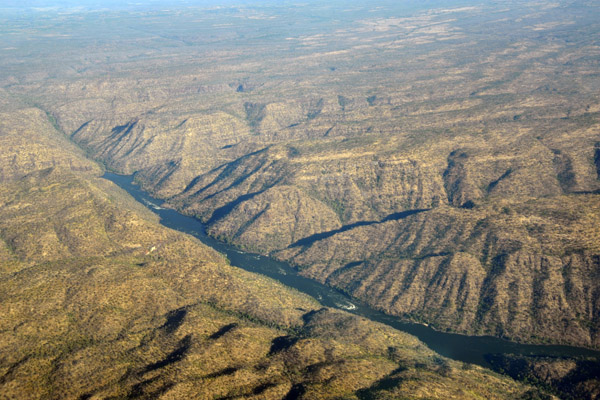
(100, 301)
(391, 154)
(30, 142)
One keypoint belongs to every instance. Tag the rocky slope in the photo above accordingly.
(440, 165)
(100, 301)
(573, 378)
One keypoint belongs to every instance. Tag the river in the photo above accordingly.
(471, 349)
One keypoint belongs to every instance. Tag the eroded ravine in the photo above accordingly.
(472, 349)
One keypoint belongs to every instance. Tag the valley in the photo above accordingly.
(438, 163)
(296, 155)
(98, 300)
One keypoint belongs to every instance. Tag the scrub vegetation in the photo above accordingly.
(440, 162)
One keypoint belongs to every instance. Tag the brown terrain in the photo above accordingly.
(441, 164)
(311, 155)
(100, 301)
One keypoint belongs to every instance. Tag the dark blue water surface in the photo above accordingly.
(471, 349)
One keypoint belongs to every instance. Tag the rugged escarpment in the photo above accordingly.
(507, 244)
(100, 301)
(484, 272)
(440, 165)
(575, 379)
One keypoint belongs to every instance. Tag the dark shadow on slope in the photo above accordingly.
(117, 137)
(81, 128)
(237, 181)
(143, 389)
(255, 113)
(295, 392)
(282, 343)
(454, 176)
(488, 291)
(118, 132)
(262, 388)
(568, 384)
(222, 331)
(165, 172)
(495, 183)
(386, 383)
(315, 110)
(227, 208)
(403, 214)
(307, 318)
(307, 241)
(138, 146)
(226, 170)
(173, 357)
(12, 370)
(174, 320)
(468, 205)
(440, 254)
(249, 222)
(563, 166)
(587, 192)
(335, 274)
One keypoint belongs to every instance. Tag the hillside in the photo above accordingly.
(447, 151)
(440, 163)
(100, 301)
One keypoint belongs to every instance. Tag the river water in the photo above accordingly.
(471, 349)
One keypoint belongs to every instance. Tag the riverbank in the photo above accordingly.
(470, 349)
